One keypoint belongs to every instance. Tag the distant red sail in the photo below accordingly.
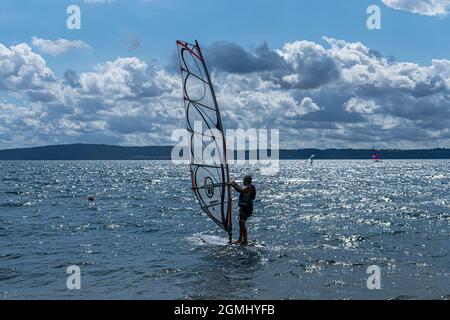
(376, 155)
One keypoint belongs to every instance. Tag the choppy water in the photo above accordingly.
(316, 228)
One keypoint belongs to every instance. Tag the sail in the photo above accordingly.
(210, 177)
(375, 155)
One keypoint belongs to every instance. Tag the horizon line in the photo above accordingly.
(171, 146)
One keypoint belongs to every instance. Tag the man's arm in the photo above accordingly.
(236, 187)
(239, 189)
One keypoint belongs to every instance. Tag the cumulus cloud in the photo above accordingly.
(58, 47)
(301, 64)
(423, 7)
(310, 65)
(71, 78)
(333, 94)
(125, 79)
(230, 57)
(21, 68)
(361, 106)
(251, 102)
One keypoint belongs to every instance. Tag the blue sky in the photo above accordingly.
(412, 32)
(108, 27)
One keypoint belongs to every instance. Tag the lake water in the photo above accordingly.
(315, 231)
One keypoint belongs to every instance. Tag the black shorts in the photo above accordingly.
(244, 214)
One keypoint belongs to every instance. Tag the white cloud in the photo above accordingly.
(361, 106)
(310, 65)
(340, 94)
(58, 47)
(21, 68)
(423, 7)
(126, 78)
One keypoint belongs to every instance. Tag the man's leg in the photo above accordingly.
(241, 233)
(244, 234)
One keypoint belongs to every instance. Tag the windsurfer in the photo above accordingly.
(246, 198)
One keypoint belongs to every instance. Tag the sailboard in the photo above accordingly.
(210, 179)
(376, 155)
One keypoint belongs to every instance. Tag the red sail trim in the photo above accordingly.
(186, 46)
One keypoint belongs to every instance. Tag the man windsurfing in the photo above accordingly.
(246, 199)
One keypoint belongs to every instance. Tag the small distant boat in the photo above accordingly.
(311, 158)
(376, 155)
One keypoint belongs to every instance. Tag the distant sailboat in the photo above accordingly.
(376, 156)
(311, 158)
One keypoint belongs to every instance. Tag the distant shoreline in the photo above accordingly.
(110, 152)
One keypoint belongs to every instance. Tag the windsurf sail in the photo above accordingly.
(376, 155)
(311, 158)
(210, 179)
